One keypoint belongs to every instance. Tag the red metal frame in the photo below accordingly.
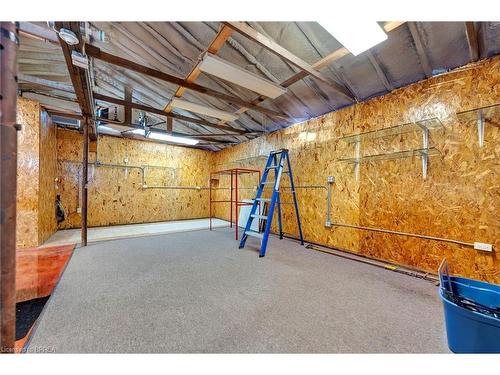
(234, 173)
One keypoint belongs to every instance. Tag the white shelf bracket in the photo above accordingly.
(480, 127)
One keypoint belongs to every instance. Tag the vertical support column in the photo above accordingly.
(170, 125)
(237, 202)
(210, 202)
(128, 110)
(85, 169)
(231, 203)
(8, 175)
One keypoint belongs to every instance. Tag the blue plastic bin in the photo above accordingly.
(471, 331)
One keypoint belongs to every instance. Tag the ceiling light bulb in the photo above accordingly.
(171, 138)
(138, 132)
(68, 36)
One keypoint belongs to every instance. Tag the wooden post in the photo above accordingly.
(85, 166)
(8, 176)
(170, 125)
(127, 109)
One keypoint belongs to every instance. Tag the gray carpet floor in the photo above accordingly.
(196, 292)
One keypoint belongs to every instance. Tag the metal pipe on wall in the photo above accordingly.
(9, 43)
(462, 243)
(329, 224)
(85, 175)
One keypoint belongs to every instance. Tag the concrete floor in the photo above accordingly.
(72, 236)
(196, 292)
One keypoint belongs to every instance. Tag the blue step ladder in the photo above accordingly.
(276, 163)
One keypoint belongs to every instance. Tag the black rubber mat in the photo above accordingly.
(27, 313)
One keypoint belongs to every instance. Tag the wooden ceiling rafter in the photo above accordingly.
(286, 55)
(33, 31)
(216, 44)
(161, 112)
(321, 63)
(97, 53)
(214, 47)
(472, 42)
(379, 69)
(419, 46)
(78, 76)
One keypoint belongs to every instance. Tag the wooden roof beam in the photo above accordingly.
(219, 40)
(78, 75)
(161, 112)
(325, 61)
(470, 32)
(54, 85)
(95, 52)
(422, 55)
(30, 30)
(381, 73)
(214, 47)
(278, 50)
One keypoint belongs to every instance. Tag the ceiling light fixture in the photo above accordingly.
(233, 73)
(68, 36)
(171, 138)
(137, 131)
(108, 129)
(356, 37)
(202, 110)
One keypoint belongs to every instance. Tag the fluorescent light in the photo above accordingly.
(356, 37)
(137, 131)
(108, 129)
(171, 138)
(233, 73)
(203, 110)
(166, 137)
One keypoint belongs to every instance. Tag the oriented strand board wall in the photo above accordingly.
(28, 115)
(47, 222)
(116, 195)
(459, 200)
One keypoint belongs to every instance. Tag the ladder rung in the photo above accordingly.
(263, 217)
(277, 152)
(268, 183)
(254, 234)
(287, 172)
(263, 199)
(273, 167)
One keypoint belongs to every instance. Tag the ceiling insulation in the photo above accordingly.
(176, 47)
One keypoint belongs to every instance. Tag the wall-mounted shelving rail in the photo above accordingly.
(427, 150)
(483, 115)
